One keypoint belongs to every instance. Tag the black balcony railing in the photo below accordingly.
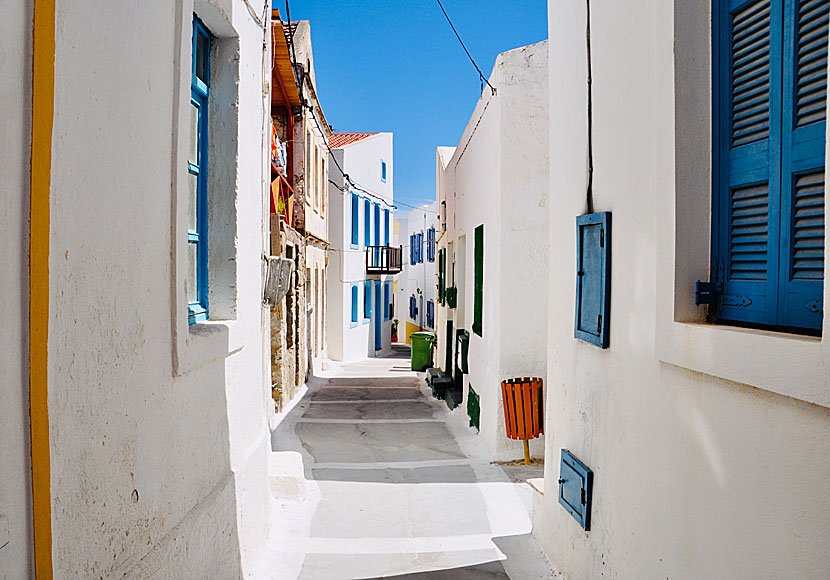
(382, 260)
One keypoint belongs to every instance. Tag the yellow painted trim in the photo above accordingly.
(43, 109)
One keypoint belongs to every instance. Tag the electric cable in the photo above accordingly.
(481, 76)
(589, 193)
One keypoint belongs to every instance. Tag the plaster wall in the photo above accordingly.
(15, 145)
(686, 464)
(158, 431)
(497, 176)
(419, 279)
(361, 160)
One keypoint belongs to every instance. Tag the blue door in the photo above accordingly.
(378, 317)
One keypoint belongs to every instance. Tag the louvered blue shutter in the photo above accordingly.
(769, 202)
(801, 271)
(749, 182)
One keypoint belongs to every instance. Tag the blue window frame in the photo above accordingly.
(355, 220)
(355, 300)
(412, 249)
(387, 292)
(386, 227)
(769, 111)
(367, 301)
(593, 278)
(383, 170)
(419, 247)
(377, 224)
(196, 288)
(430, 314)
(367, 218)
(413, 308)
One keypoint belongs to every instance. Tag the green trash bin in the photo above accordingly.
(422, 350)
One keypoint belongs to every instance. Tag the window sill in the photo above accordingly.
(207, 342)
(792, 365)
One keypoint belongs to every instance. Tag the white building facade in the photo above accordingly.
(417, 280)
(359, 310)
(492, 198)
(136, 337)
(693, 416)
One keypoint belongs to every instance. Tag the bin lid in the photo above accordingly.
(423, 334)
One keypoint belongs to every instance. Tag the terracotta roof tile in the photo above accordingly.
(340, 139)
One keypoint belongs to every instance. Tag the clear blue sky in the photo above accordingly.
(395, 65)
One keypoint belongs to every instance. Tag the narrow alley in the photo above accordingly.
(388, 483)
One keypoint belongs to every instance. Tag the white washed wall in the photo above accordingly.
(362, 162)
(697, 474)
(419, 279)
(497, 176)
(158, 432)
(15, 144)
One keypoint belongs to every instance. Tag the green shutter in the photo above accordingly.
(478, 303)
(442, 265)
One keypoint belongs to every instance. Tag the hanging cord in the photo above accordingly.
(590, 189)
(481, 76)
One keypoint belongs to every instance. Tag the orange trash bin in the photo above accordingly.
(523, 410)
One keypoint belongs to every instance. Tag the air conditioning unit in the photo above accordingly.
(277, 279)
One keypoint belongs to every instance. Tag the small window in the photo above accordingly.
(367, 301)
(419, 247)
(355, 300)
(355, 220)
(196, 288)
(430, 314)
(383, 171)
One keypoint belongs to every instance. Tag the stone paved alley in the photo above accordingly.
(385, 482)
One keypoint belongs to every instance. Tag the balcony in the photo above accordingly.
(381, 260)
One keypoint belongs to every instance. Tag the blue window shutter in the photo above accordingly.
(377, 224)
(354, 303)
(367, 300)
(367, 222)
(768, 222)
(386, 226)
(593, 261)
(801, 269)
(748, 177)
(355, 219)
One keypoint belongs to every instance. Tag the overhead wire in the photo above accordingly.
(351, 183)
(481, 76)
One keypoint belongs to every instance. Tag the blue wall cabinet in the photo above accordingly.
(593, 278)
(575, 487)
